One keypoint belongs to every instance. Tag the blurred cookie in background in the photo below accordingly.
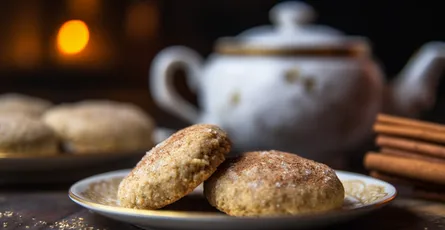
(98, 126)
(19, 103)
(26, 135)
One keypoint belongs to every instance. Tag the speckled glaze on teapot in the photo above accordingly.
(294, 86)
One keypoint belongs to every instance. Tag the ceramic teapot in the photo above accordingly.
(294, 86)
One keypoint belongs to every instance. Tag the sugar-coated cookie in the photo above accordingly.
(13, 103)
(23, 134)
(273, 183)
(101, 126)
(174, 167)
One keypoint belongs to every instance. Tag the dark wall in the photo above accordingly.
(396, 28)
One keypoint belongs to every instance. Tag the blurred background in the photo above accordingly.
(116, 41)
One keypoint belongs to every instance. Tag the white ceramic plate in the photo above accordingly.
(98, 193)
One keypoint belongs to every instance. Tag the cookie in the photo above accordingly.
(22, 134)
(23, 104)
(271, 183)
(174, 167)
(100, 126)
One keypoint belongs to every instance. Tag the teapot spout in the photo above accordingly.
(414, 90)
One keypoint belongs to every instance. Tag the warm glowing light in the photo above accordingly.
(73, 37)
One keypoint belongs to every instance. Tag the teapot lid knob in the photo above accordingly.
(291, 14)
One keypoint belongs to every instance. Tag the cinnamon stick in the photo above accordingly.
(406, 181)
(410, 132)
(421, 189)
(429, 194)
(392, 179)
(405, 167)
(412, 155)
(408, 122)
(411, 145)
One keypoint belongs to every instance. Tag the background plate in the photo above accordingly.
(66, 167)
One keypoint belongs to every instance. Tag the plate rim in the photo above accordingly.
(212, 216)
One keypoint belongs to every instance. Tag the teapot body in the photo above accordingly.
(295, 86)
(312, 106)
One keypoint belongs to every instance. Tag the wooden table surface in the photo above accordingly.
(26, 207)
(47, 206)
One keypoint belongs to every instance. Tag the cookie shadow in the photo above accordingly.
(387, 218)
(191, 203)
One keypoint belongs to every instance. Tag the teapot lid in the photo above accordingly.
(292, 34)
